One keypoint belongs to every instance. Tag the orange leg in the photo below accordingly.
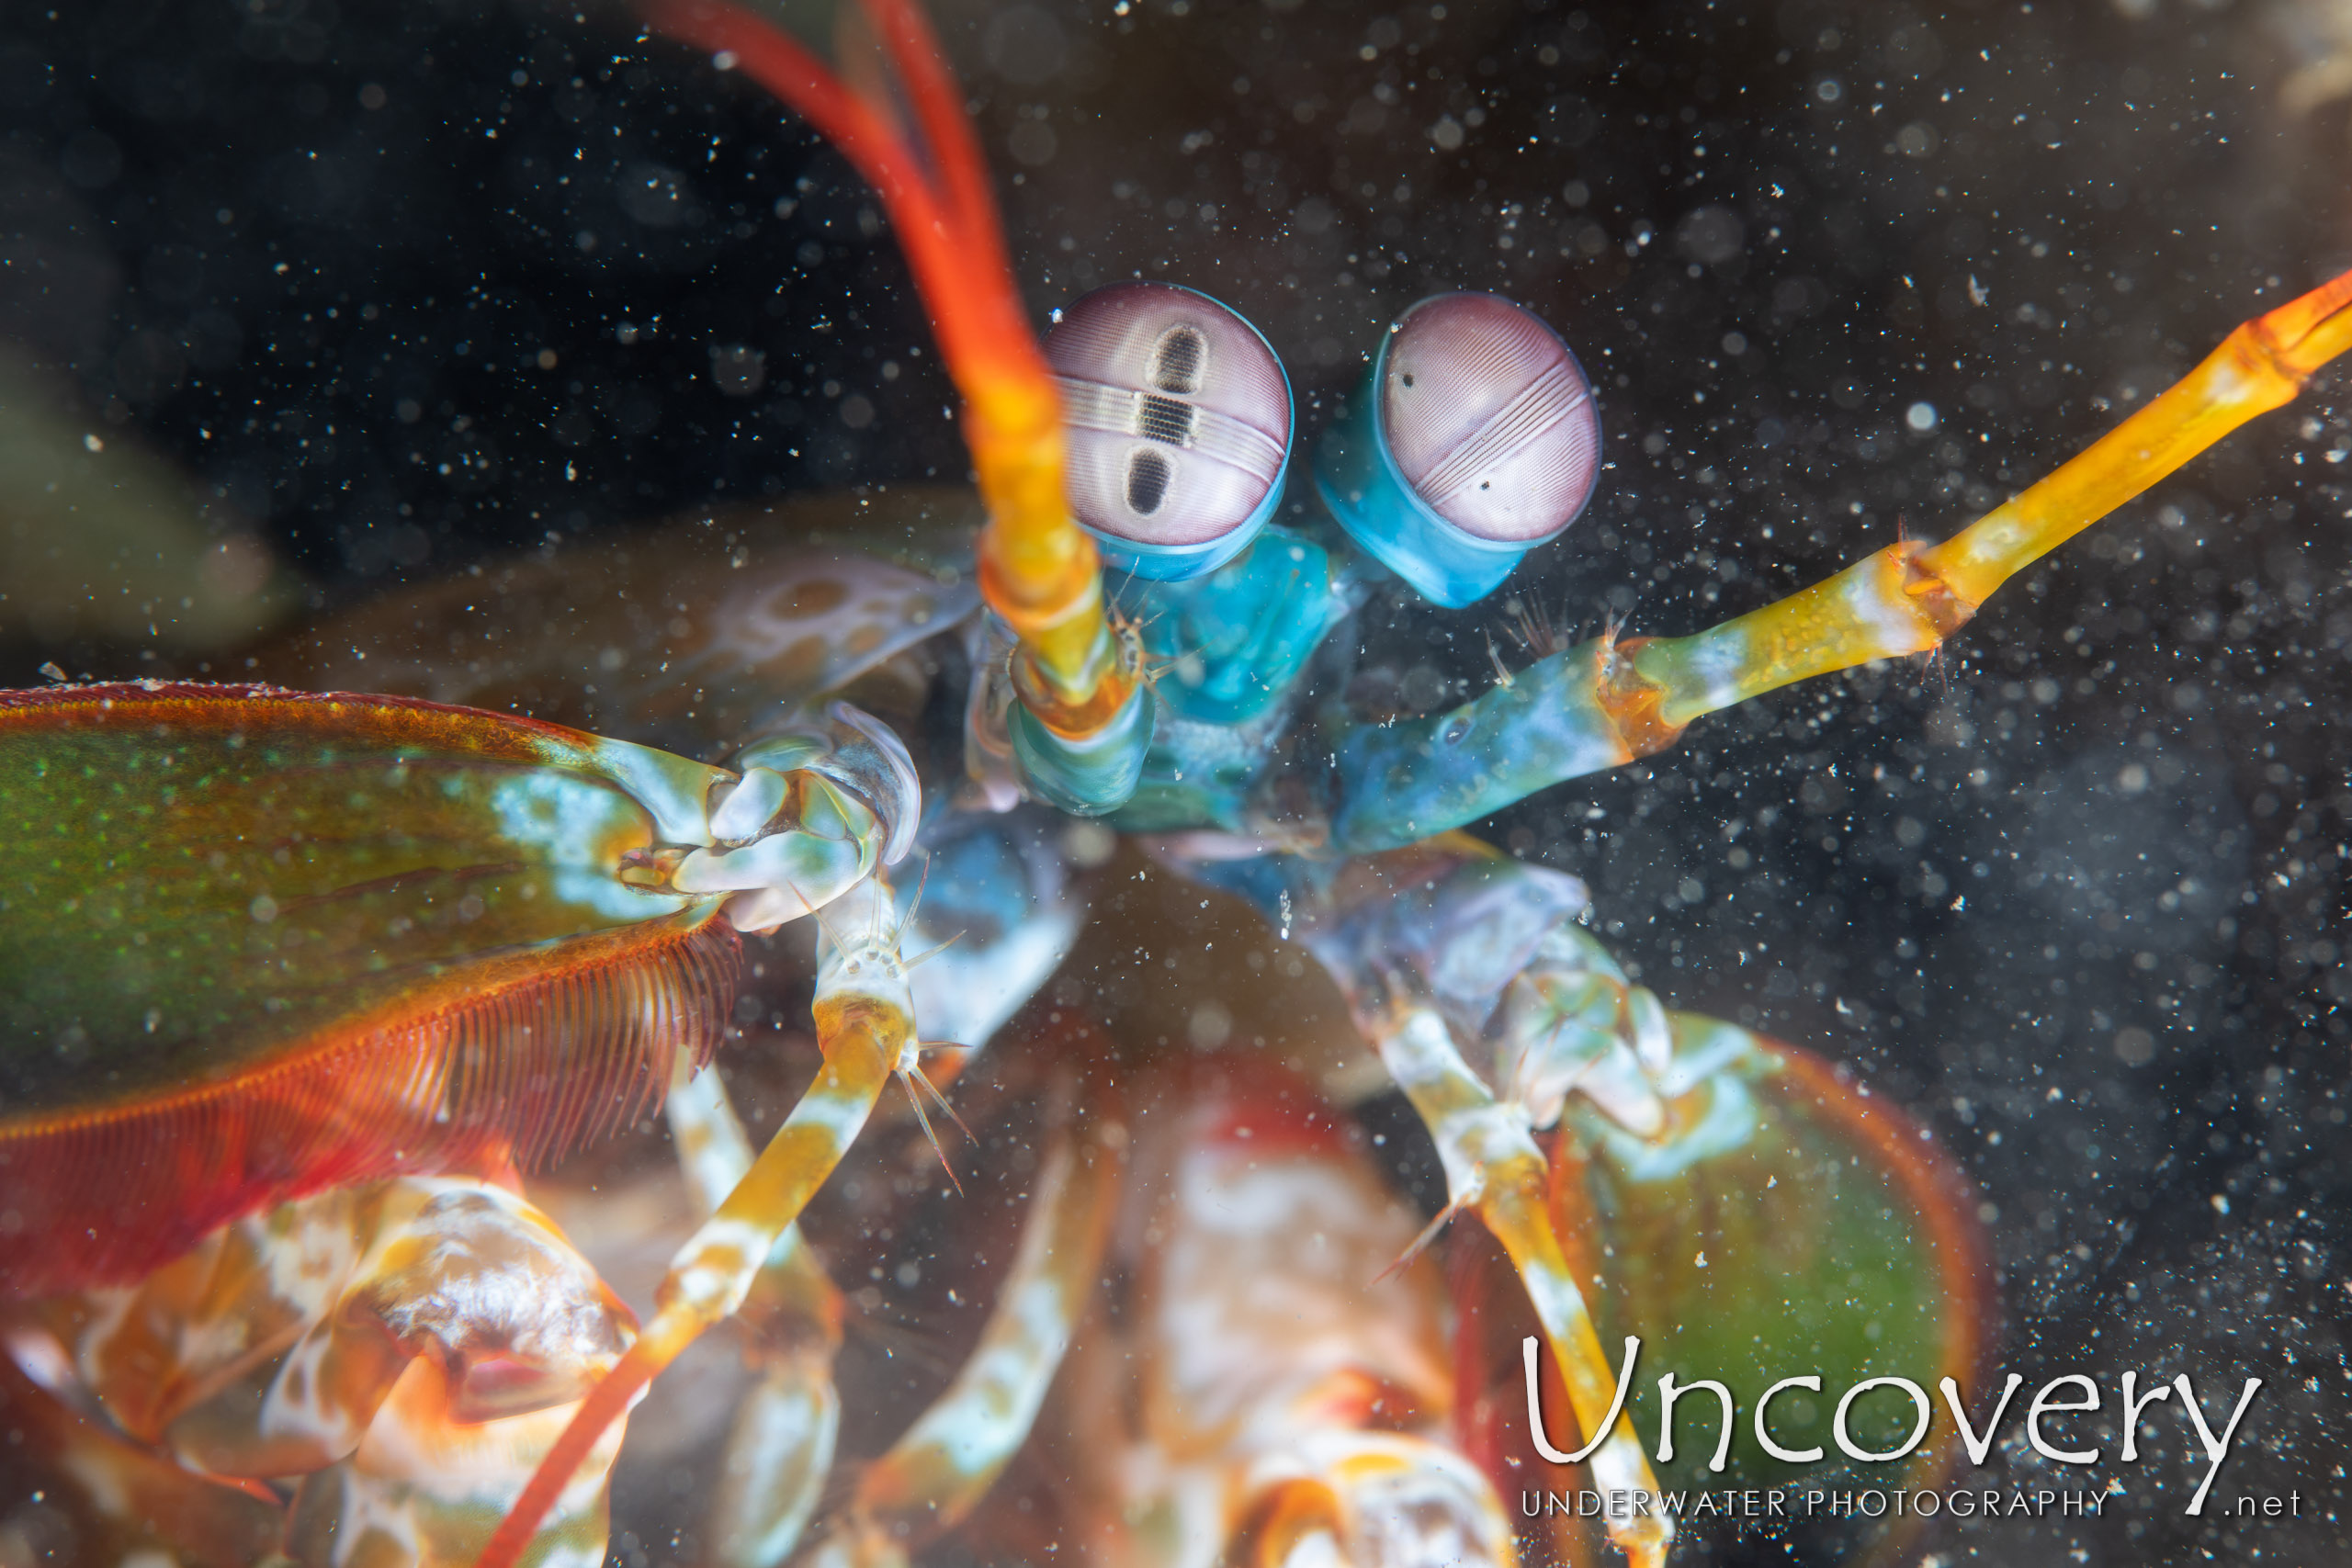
(865, 1026)
(781, 1446)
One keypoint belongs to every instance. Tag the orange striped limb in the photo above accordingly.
(780, 1447)
(1037, 569)
(864, 1020)
(1908, 598)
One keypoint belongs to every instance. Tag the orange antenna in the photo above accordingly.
(1037, 569)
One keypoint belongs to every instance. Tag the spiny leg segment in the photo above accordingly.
(782, 1444)
(1491, 1008)
(1493, 1168)
(1427, 944)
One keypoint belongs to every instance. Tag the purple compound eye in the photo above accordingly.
(1475, 439)
(1178, 423)
(1489, 418)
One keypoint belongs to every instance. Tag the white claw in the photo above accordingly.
(781, 877)
(1709, 1047)
(786, 859)
(810, 818)
(1619, 1085)
(765, 909)
(750, 806)
(1653, 1039)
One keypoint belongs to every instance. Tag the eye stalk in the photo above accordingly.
(1474, 439)
(1178, 418)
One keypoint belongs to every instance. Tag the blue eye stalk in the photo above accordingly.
(1178, 423)
(1474, 439)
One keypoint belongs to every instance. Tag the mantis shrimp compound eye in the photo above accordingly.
(1179, 418)
(1474, 439)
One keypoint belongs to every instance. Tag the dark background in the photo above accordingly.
(402, 286)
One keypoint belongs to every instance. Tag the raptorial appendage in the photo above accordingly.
(813, 815)
(1777, 1202)
(1405, 961)
(315, 941)
(288, 942)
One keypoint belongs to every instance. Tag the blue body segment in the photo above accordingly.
(1090, 777)
(1265, 882)
(1360, 483)
(1234, 642)
(1201, 776)
(1393, 783)
(992, 910)
(1231, 647)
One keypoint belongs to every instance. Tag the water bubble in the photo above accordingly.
(1711, 235)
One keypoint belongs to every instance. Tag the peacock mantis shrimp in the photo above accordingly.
(1393, 966)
